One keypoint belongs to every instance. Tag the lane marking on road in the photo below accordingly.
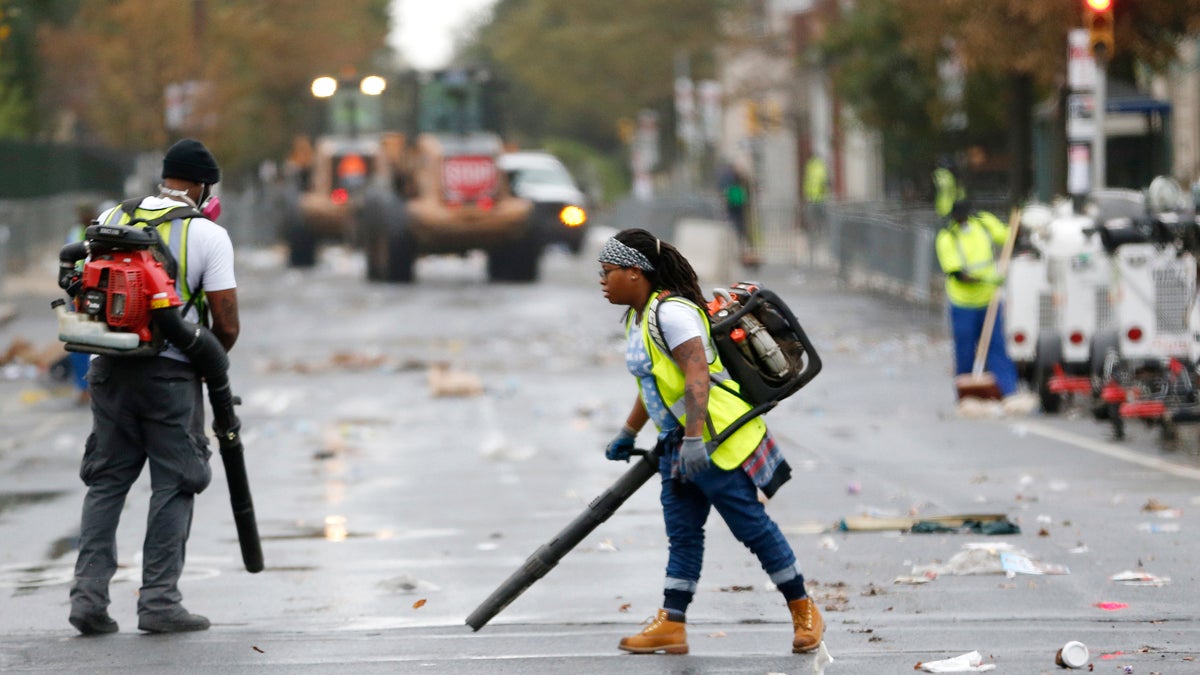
(1111, 450)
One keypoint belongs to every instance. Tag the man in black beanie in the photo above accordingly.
(152, 410)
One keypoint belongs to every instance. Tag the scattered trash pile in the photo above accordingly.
(983, 558)
(22, 360)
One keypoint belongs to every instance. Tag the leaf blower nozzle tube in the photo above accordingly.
(68, 257)
(208, 356)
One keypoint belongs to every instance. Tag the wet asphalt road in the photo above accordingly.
(388, 513)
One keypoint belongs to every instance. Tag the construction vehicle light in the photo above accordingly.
(572, 216)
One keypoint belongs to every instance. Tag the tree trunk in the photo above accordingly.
(1020, 137)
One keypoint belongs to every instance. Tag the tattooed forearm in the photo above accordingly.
(690, 358)
(225, 323)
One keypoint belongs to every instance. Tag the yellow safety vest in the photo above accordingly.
(724, 407)
(968, 248)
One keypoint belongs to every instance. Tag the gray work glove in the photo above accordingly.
(618, 449)
(693, 456)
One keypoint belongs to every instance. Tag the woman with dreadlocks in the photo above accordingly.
(669, 350)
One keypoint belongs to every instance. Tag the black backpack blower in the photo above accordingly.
(766, 352)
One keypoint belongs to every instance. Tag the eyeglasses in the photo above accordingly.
(605, 272)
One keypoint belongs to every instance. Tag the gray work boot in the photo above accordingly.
(182, 621)
(97, 623)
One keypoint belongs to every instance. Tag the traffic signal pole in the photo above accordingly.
(1099, 139)
(1098, 16)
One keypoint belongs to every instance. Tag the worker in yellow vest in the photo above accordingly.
(965, 253)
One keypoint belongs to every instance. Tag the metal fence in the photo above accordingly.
(33, 229)
(886, 245)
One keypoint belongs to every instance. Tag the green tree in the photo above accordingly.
(575, 68)
(1018, 46)
(20, 76)
(112, 63)
(890, 86)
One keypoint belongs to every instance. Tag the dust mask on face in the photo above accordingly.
(211, 208)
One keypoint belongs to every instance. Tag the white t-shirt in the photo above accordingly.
(680, 323)
(209, 256)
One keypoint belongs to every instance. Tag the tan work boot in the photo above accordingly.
(809, 625)
(662, 635)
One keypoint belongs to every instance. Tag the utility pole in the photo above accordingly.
(1098, 15)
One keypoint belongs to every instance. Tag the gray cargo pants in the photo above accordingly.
(142, 409)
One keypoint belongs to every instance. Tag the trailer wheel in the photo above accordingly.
(1049, 354)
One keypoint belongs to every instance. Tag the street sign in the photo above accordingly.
(1081, 66)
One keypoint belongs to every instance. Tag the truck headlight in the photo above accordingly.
(572, 216)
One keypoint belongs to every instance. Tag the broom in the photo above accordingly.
(978, 384)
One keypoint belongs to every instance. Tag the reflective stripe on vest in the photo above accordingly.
(724, 407)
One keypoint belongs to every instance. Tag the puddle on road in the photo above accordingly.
(12, 500)
(335, 529)
(62, 546)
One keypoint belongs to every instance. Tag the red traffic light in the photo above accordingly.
(1098, 5)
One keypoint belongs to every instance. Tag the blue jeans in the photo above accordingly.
(733, 494)
(967, 325)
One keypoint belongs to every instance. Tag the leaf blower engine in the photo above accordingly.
(124, 299)
(761, 343)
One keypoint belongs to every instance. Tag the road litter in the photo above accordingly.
(1074, 654)
(23, 360)
(989, 558)
(1158, 528)
(823, 659)
(1152, 504)
(977, 523)
(1139, 578)
(971, 662)
(445, 381)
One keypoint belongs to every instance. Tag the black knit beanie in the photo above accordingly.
(189, 160)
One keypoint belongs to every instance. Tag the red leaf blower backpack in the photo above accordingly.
(130, 272)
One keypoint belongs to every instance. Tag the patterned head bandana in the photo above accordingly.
(616, 253)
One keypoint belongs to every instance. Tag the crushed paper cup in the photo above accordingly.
(1074, 654)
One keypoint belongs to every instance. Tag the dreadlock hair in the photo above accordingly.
(672, 271)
